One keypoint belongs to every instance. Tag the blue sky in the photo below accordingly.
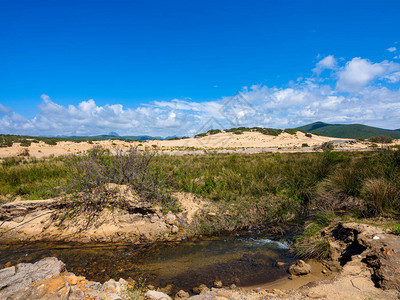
(168, 67)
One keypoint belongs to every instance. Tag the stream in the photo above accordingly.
(244, 259)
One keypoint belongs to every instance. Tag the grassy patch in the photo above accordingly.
(247, 189)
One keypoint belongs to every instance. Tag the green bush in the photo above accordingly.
(291, 130)
(214, 131)
(382, 139)
(200, 135)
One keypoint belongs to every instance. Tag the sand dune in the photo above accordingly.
(253, 141)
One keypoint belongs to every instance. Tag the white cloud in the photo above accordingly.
(360, 91)
(359, 72)
(393, 77)
(392, 49)
(328, 62)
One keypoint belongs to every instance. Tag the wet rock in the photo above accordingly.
(181, 295)
(154, 295)
(8, 264)
(23, 275)
(167, 289)
(201, 289)
(299, 268)
(218, 283)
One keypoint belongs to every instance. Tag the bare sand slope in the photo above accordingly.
(223, 140)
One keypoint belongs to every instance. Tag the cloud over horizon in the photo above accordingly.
(359, 91)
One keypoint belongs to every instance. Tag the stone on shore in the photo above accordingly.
(154, 295)
(300, 268)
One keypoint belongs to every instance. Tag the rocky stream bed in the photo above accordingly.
(367, 260)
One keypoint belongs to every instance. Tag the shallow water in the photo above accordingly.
(246, 259)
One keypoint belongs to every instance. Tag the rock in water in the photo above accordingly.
(299, 268)
(218, 283)
(181, 295)
(201, 289)
(154, 295)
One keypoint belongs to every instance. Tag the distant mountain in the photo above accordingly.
(111, 135)
(351, 131)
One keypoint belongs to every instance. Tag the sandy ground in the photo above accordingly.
(248, 142)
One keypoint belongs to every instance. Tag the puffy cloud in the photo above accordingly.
(361, 91)
(359, 72)
(392, 49)
(328, 62)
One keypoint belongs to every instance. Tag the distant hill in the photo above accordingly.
(351, 131)
(111, 136)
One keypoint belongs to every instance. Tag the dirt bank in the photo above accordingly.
(139, 221)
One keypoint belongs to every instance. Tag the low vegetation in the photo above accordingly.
(382, 139)
(7, 140)
(248, 190)
(241, 130)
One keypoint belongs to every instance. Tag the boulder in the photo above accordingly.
(154, 295)
(299, 268)
(23, 275)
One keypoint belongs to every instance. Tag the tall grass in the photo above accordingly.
(32, 178)
(327, 180)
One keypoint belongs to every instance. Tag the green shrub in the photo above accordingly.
(291, 130)
(213, 131)
(25, 143)
(382, 139)
(51, 141)
(200, 135)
